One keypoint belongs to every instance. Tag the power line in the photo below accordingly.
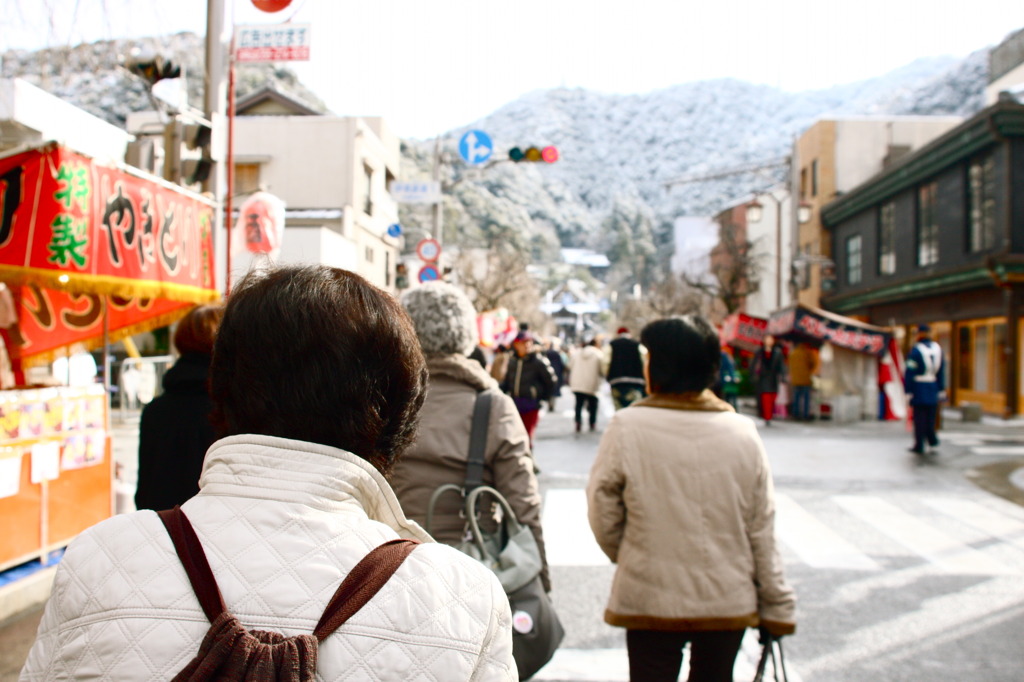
(728, 172)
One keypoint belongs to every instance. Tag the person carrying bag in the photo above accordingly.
(510, 551)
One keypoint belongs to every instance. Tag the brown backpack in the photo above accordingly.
(229, 652)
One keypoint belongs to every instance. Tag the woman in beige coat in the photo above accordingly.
(445, 323)
(681, 498)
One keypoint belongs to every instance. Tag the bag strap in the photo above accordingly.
(362, 583)
(778, 665)
(358, 587)
(478, 440)
(193, 558)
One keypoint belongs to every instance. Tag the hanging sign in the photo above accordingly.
(273, 43)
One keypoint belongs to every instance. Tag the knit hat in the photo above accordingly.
(444, 318)
(623, 330)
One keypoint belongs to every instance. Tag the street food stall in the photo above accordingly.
(89, 254)
(743, 335)
(852, 353)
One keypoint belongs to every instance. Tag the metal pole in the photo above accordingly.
(229, 202)
(439, 206)
(778, 251)
(215, 103)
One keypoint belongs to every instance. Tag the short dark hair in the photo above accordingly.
(318, 354)
(196, 331)
(683, 354)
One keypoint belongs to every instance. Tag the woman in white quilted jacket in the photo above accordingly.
(680, 498)
(317, 381)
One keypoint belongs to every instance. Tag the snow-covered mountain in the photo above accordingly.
(617, 151)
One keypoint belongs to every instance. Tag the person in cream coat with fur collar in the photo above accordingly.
(681, 499)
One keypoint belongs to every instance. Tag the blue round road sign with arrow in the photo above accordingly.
(476, 147)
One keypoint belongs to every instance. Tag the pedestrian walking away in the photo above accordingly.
(445, 323)
(803, 366)
(925, 383)
(317, 381)
(585, 380)
(624, 368)
(175, 430)
(768, 371)
(529, 379)
(680, 498)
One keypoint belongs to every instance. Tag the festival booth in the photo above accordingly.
(859, 362)
(743, 334)
(89, 254)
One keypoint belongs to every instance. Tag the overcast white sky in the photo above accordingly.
(431, 65)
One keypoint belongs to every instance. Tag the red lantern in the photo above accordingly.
(271, 5)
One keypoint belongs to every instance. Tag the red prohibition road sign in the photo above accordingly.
(428, 250)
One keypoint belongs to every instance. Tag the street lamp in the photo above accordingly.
(755, 213)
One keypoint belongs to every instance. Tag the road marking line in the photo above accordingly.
(998, 450)
(568, 540)
(612, 665)
(814, 542)
(921, 538)
(988, 521)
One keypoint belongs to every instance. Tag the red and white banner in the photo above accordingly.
(78, 238)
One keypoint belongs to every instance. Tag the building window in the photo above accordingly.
(982, 202)
(247, 178)
(368, 204)
(927, 225)
(853, 259)
(814, 178)
(887, 239)
(368, 252)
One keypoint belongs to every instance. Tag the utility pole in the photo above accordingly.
(214, 107)
(439, 206)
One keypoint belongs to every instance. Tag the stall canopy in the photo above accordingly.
(81, 241)
(816, 326)
(743, 331)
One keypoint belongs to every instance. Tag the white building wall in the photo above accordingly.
(693, 238)
(308, 158)
(774, 273)
(863, 144)
(29, 115)
(1013, 81)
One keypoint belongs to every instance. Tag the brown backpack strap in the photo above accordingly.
(362, 582)
(193, 558)
(358, 587)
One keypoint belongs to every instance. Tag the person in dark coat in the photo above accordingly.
(768, 370)
(175, 431)
(529, 379)
(624, 369)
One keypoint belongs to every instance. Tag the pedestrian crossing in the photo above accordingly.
(877, 543)
(872, 533)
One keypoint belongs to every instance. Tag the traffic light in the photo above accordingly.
(153, 68)
(547, 154)
(196, 137)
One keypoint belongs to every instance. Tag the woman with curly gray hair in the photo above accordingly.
(445, 323)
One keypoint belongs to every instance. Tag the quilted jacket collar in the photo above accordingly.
(319, 476)
(705, 401)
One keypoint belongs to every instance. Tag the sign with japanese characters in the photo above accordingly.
(273, 43)
(803, 323)
(70, 223)
(79, 239)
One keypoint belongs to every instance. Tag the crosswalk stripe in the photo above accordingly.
(612, 665)
(919, 537)
(814, 542)
(568, 540)
(998, 450)
(981, 518)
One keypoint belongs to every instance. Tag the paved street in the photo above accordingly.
(904, 570)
